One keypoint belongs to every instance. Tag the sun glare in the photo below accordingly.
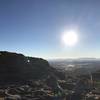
(70, 38)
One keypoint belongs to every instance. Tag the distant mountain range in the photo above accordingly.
(75, 59)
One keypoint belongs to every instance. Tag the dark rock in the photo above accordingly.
(17, 67)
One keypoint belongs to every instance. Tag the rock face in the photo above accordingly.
(17, 67)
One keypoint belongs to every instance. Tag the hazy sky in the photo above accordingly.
(35, 27)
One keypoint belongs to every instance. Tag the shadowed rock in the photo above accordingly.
(17, 67)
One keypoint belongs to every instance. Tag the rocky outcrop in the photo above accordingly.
(17, 67)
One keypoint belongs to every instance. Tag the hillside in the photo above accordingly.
(17, 67)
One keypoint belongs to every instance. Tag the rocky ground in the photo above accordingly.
(33, 90)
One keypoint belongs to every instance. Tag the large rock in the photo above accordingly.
(17, 67)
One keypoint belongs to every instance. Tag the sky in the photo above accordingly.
(35, 27)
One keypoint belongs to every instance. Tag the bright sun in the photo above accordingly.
(70, 38)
